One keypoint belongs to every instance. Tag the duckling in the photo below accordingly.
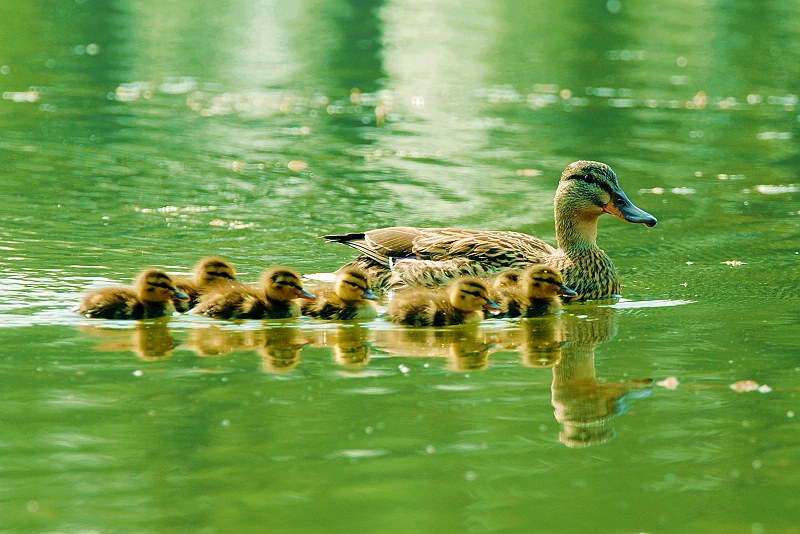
(536, 293)
(350, 298)
(208, 272)
(275, 299)
(587, 190)
(462, 302)
(151, 296)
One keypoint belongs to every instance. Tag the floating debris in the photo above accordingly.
(733, 263)
(746, 386)
(776, 189)
(670, 382)
(297, 165)
(529, 172)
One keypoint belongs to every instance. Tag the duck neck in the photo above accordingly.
(576, 231)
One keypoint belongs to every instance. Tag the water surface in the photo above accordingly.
(138, 134)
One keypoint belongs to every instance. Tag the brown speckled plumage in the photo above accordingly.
(151, 296)
(535, 293)
(273, 299)
(207, 273)
(461, 302)
(587, 189)
(349, 298)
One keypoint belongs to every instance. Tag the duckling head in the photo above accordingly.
(589, 188)
(153, 285)
(544, 282)
(282, 284)
(212, 270)
(470, 294)
(352, 284)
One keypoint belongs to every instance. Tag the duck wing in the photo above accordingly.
(492, 248)
(488, 247)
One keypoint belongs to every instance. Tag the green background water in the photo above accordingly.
(137, 134)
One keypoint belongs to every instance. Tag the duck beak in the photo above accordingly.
(621, 207)
(306, 295)
(566, 291)
(368, 294)
(180, 295)
(491, 305)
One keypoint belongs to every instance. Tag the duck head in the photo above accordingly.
(470, 294)
(544, 282)
(212, 270)
(590, 188)
(153, 285)
(282, 284)
(352, 284)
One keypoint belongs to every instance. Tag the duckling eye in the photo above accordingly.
(353, 284)
(221, 274)
(475, 294)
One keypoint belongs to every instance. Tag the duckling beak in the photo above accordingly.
(180, 295)
(491, 305)
(306, 295)
(621, 207)
(566, 291)
(368, 294)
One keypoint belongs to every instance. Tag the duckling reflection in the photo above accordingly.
(538, 340)
(149, 340)
(217, 341)
(465, 346)
(280, 348)
(584, 406)
(349, 343)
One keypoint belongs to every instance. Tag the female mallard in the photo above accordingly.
(151, 296)
(275, 299)
(207, 273)
(397, 256)
(535, 293)
(350, 298)
(463, 302)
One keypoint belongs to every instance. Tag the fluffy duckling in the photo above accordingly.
(274, 299)
(462, 302)
(207, 273)
(350, 298)
(535, 294)
(151, 296)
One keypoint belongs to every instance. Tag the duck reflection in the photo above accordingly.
(538, 340)
(584, 406)
(278, 346)
(217, 341)
(349, 344)
(465, 346)
(149, 339)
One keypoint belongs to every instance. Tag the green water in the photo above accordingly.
(138, 134)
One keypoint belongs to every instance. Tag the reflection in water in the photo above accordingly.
(149, 340)
(585, 407)
(349, 342)
(537, 340)
(464, 346)
(278, 346)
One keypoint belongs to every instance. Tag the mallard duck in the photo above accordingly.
(350, 298)
(151, 296)
(275, 297)
(587, 190)
(207, 273)
(535, 294)
(462, 302)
